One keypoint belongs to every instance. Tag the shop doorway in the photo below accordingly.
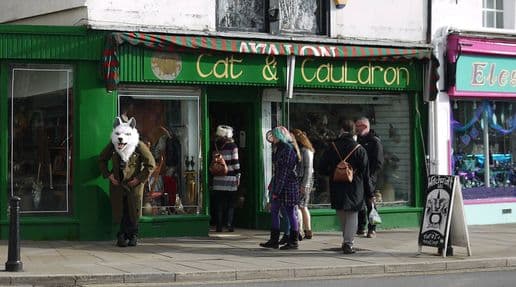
(239, 117)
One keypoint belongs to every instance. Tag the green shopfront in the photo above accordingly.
(56, 116)
(197, 83)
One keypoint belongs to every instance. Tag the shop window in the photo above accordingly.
(169, 125)
(40, 136)
(484, 147)
(319, 117)
(275, 16)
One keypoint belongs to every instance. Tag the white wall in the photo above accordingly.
(403, 20)
(11, 10)
(467, 14)
(391, 20)
(172, 14)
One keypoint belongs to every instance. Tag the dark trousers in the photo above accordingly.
(127, 227)
(363, 217)
(225, 202)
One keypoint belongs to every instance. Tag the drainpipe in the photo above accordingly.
(429, 21)
(291, 67)
(438, 153)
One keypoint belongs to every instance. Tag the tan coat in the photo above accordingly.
(140, 165)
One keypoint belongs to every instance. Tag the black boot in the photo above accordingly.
(121, 240)
(133, 240)
(292, 241)
(273, 241)
(284, 239)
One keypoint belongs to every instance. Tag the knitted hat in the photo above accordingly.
(224, 131)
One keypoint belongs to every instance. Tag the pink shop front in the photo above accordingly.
(481, 85)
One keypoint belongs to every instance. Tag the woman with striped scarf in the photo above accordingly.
(225, 187)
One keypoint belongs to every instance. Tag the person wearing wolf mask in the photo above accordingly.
(132, 164)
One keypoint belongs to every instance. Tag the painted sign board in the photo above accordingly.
(486, 74)
(271, 70)
(443, 215)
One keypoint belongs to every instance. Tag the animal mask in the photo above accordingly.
(125, 137)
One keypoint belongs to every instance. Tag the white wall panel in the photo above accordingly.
(403, 20)
(176, 14)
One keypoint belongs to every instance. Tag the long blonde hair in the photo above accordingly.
(302, 139)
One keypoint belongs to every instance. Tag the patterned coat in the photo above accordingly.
(140, 165)
(229, 182)
(284, 181)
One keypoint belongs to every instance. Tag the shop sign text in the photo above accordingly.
(486, 74)
(271, 70)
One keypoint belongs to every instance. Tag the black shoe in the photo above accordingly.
(273, 241)
(308, 234)
(347, 249)
(133, 240)
(292, 242)
(231, 229)
(270, 244)
(362, 233)
(121, 240)
(284, 239)
(218, 229)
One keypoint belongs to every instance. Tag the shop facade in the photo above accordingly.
(244, 83)
(481, 89)
(57, 114)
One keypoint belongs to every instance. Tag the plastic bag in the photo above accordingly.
(374, 217)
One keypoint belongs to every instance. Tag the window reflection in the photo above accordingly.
(40, 134)
(484, 146)
(169, 125)
(320, 120)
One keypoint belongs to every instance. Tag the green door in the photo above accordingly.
(243, 117)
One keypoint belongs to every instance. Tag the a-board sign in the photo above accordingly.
(437, 211)
(443, 217)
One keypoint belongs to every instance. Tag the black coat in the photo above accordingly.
(344, 195)
(374, 147)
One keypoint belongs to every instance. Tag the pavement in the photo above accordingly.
(236, 256)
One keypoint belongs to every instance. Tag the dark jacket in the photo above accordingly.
(344, 195)
(284, 181)
(374, 147)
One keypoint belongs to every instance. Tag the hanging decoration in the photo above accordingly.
(465, 139)
(491, 118)
(474, 133)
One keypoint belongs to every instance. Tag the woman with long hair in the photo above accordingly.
(284, 188)
(305, 171)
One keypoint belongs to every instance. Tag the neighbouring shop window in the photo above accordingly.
(169, 125)
(492, 13)
(294, 16)
(40, 137)
(319, 117)
(484, 147)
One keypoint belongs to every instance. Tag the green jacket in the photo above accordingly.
(140, 166)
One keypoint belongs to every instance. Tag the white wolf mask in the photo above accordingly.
(125, 137)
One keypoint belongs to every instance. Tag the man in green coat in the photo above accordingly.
(132, 163)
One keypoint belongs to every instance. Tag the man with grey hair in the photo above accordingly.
(371, 142)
